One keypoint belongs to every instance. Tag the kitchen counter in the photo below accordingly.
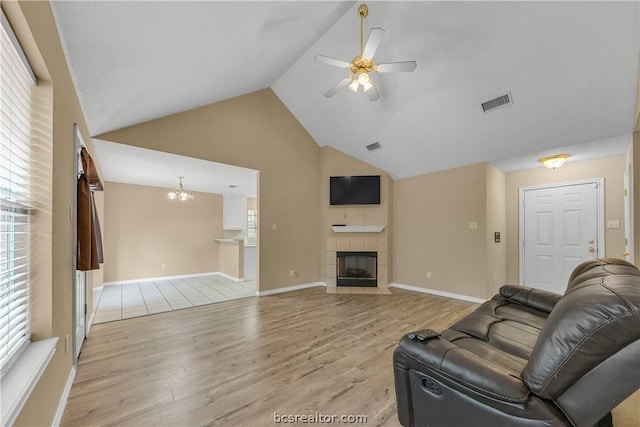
(229, 240)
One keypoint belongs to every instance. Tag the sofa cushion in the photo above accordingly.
(508, 327)
(473, 370)
(595, 319)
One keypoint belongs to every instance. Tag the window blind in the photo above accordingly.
(16, 83)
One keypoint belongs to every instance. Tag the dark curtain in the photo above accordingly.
(89, 235)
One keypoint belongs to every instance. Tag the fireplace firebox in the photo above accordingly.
(357, 269)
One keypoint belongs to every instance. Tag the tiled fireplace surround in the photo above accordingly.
(358, 244)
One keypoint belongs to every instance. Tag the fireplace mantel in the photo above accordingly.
(357, 228)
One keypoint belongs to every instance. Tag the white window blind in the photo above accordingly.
(16, 83)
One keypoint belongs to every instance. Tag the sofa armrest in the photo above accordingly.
(463, 367)
(534, 298)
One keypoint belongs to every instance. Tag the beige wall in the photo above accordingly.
(431, 231)
(258, 132)
(231, 259)
(144, 229)
(336, 163)
(496, 222)
(611, 168)
(53, 316)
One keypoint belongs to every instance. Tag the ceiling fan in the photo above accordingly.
(362, 65)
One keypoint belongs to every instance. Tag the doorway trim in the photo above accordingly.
(78, 144)
(599, 182)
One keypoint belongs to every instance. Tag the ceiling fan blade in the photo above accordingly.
(397, 67)
(332, 61)
(375, 37)
(337, 87)
(372, 93)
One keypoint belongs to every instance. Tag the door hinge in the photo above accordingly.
(85, 309)
(625, 191)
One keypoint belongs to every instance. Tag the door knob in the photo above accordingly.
(591, 241)
(592, 249)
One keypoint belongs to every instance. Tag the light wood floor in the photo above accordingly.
(236, 363)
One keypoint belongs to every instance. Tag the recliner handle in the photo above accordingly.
(431, 385)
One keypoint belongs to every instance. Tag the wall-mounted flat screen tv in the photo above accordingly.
(354, 190)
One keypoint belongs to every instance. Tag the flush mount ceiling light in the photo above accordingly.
(362, 65)
(555, 161)
(180, 193)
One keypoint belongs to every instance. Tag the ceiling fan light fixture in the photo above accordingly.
(361, 65)
(555, 161)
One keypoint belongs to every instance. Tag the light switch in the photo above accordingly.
(613, 223)
(473, 226)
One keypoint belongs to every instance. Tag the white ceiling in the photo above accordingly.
(571, 67)
(134, 165)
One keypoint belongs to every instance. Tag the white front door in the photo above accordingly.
(559, 230)
(80, 311)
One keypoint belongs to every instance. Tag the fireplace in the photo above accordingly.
(357, 269)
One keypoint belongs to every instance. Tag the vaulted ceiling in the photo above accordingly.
(571, 69)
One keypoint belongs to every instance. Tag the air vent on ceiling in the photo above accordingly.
(500, 101)
(373, 147)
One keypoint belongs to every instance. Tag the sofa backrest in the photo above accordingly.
(598, 316)
(599, 268)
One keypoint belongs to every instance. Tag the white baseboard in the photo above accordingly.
(437, 292)
(65, 397)
(235, 279)
(150, 279)
(291, 288)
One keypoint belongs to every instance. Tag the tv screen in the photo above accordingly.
(354, 190)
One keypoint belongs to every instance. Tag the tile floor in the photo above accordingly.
(128, 300)
(360, 290)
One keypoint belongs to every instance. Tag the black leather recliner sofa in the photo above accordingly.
(529, 357)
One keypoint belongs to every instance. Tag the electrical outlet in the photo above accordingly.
(163, 265)
(428, 275)
(613, 223)
(473, 226)
(292, 273)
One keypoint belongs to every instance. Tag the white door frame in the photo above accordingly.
(628, 213)
(599, 182)
(77, 144)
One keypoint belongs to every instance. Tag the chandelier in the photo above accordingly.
(180, 193)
